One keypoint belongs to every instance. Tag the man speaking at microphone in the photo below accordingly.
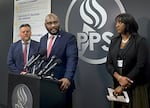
(64, 46)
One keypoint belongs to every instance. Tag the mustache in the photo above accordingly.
(54, 33)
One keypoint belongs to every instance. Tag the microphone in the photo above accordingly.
(43, 59)
(37, 66)
(46, 66)
(29, 61)
(56, 62)
(39, 55)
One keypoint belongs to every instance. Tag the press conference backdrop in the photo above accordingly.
(93, 32)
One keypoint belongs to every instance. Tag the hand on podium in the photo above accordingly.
(23, 73)
(65, 83)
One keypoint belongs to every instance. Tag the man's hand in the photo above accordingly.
(65, 83)
(23, 73)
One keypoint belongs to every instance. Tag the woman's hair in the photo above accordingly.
(131, 25)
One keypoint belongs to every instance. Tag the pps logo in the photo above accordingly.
(93, 23)
(22, 97)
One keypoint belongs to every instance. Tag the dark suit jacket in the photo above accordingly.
(15, 60)
(135, 57)
(64, 48)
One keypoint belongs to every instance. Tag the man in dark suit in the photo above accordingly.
(16, 59)
(64, 47)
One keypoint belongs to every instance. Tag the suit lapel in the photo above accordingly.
(55, 45)
(30, 49)
(20, 53)
(117, 47)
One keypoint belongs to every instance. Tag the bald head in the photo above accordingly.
(52, 23)
(51, 16)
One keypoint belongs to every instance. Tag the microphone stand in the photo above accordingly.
(32, 74)
(33, 70)
(50, 77)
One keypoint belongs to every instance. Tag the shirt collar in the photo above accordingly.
(49, 35)
(29, 41)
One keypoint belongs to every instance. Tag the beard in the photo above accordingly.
(54, 31)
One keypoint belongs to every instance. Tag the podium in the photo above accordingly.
(27, 91)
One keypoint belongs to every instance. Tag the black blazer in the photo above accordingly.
(135, 57)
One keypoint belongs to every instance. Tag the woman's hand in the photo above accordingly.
(124, 81)
(118, 90)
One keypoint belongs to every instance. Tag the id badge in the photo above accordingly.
(120, 63)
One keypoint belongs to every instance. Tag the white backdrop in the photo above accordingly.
(32, 12)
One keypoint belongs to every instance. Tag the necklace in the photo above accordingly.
(125, 41)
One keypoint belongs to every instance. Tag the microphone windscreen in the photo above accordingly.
(53, 57)
(58, 61)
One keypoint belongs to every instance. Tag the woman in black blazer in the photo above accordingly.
(127, 62)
